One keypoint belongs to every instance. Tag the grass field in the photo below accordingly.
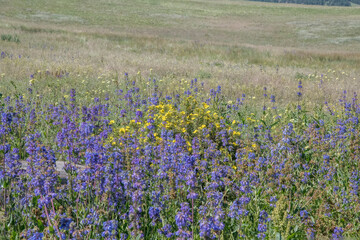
(178, 120)
(240, 44)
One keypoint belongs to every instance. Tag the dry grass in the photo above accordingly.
(242, 46)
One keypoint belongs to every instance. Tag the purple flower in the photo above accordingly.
(65, 223)
(183, 217)
(272, 97)
(72, 95)
(304, 214)
(110, 229)
(166, 231)
(338, 233)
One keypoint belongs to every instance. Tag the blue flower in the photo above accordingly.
(65, 223)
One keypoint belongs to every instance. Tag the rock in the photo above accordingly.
(59, 168)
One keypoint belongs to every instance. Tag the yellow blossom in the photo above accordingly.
(205, 106)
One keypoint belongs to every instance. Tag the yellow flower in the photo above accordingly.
(111, 122)
(236, 133)
(205, 105)
(234, 167)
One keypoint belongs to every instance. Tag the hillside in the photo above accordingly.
(314, 2)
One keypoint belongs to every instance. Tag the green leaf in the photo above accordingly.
(35, 200)
(275, 123)
(292, 236)
(5, 183)
(263, 122)
(14, 235)
(40, 225)
(13, 84)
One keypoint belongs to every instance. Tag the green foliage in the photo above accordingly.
(10, 38)
(204, 75)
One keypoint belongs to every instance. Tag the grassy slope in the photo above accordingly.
(243, 45)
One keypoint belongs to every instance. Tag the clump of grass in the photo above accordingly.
(10, 38)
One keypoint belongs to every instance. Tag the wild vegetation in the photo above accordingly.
(178, 120)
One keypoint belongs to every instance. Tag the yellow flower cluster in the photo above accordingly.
(190, 119)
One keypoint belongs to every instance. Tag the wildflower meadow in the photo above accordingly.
(144, 160)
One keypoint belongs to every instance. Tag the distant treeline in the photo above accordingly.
(316, 2)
